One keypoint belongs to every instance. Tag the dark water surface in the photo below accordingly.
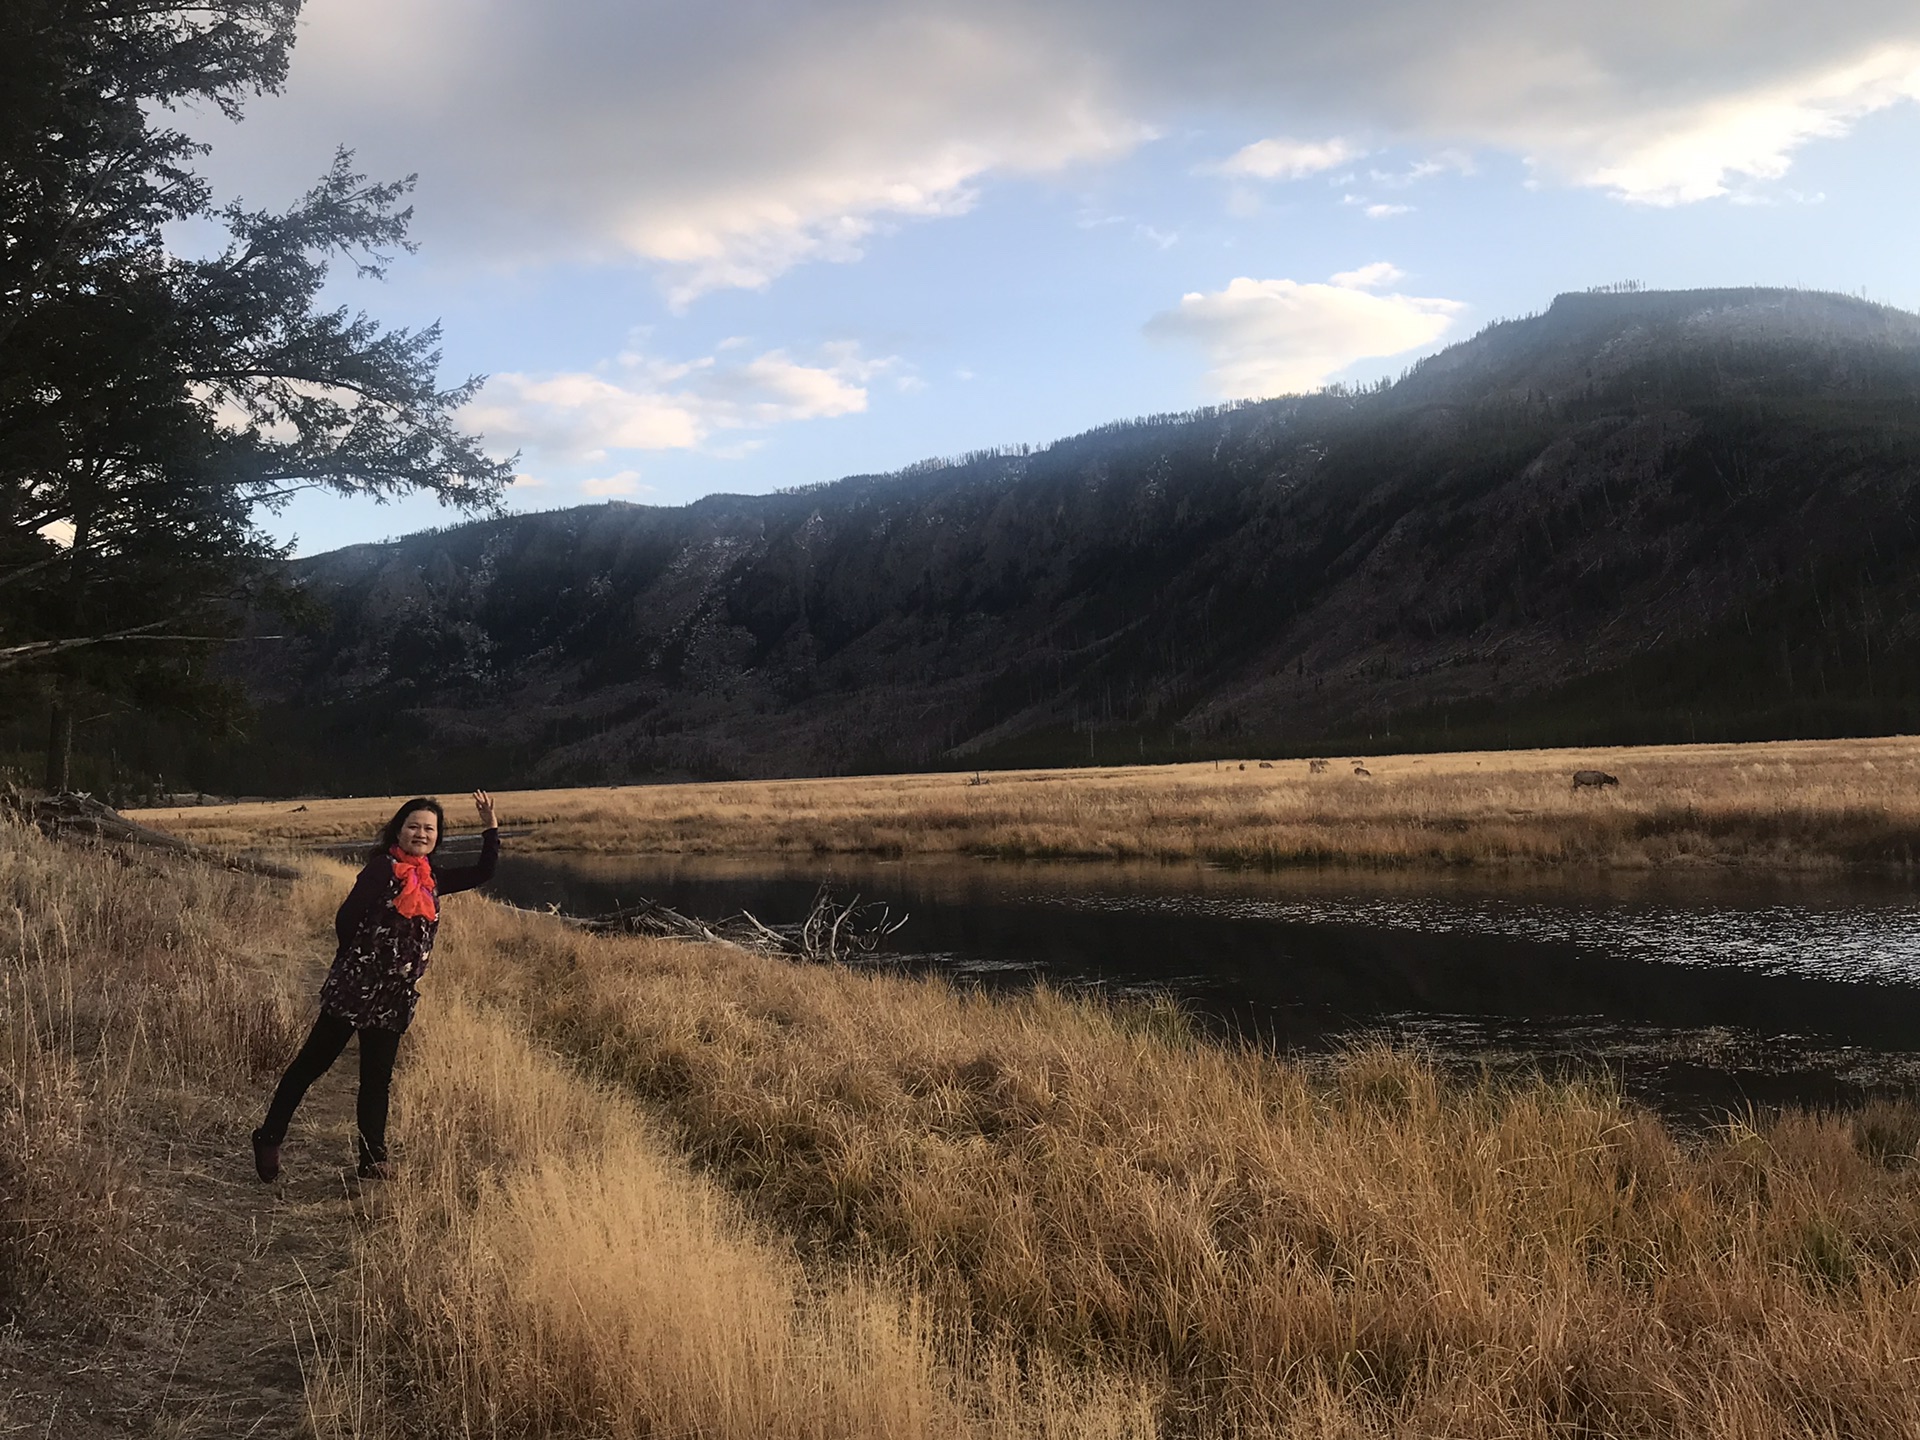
(1700, 991)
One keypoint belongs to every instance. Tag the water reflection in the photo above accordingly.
(1699, 991)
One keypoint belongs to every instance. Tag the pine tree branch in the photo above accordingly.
(15, 655)
(23, 571)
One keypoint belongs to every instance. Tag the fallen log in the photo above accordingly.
(75, 815)
(834, 930)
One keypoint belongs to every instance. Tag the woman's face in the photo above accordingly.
(418, 832)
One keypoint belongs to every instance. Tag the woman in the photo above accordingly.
(386, 929)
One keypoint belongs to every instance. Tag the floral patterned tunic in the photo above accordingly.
(382, 955)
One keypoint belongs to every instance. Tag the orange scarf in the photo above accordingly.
(416, 897)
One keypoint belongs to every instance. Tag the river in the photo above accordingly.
(1699, 991)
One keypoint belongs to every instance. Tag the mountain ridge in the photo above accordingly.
(1624, 517)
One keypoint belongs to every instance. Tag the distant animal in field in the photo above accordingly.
(1266, 765)
(296, 809)
(1362, 770)
(1316, 767)
(1243, 764)
(1592, 779)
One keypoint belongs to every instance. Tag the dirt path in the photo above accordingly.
(231, 1296)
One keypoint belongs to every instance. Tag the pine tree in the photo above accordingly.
(154, 407)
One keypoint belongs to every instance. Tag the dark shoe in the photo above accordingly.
(374, 1170)
(266, 1157)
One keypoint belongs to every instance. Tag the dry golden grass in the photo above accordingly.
(127, 989)
(549, 1266)
(962, 1215)
(1803, 804)
(142, 1003)
(1364, 1250)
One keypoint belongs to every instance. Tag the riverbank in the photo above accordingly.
(652, 1187)
(1810, 805)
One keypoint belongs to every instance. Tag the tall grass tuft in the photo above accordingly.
(550, 1266)
(135, 995)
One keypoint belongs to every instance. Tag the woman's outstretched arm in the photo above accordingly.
(467, 877)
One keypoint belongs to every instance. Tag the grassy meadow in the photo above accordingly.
(1787, 804)
(652, 1188)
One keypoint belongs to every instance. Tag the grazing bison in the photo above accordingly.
(1266, 765)
(1362, 770)
(1316, 767)
(1592, 779)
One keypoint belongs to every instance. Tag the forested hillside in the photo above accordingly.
(1634, 517)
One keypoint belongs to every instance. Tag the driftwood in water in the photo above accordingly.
(834, 930)
(73, 815)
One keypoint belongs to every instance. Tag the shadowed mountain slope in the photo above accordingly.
(1659, 515)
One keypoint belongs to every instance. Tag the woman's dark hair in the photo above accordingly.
(390, 836)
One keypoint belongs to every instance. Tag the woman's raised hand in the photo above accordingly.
(483, 805)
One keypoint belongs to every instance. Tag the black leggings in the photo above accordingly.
(325, 1041)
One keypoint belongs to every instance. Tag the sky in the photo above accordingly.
(742, 246)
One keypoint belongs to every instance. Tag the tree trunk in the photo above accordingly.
(65, 688)
(60, 744)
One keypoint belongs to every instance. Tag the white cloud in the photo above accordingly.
(640, 403)
(621, 482)
(1374, 209)
(1282, 159)
(1750, 136)
(1369, 277)
(723, 151)
(1456, 162)
(1272, 337)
